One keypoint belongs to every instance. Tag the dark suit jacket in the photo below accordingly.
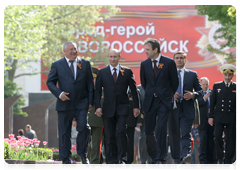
(81, 90)
(115, 94)
(190, 82)
(203, 107)
(223, 103)
(165, 84)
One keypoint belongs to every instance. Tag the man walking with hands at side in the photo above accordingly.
(115, 79)
(159, 79)
(74, 95)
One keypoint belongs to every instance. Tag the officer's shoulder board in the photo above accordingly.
(235, 83)
(218, 82)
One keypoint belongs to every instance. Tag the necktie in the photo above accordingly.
(226, 84)
(208, 104)
(155, 67)
(115, 75)
(71, 67)
(180, 85)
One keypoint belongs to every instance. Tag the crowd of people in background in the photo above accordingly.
(171, 117)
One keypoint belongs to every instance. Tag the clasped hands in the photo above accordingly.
(188, 95)
(136, 112)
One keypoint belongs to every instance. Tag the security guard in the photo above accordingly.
(96, 124)
(223, 113)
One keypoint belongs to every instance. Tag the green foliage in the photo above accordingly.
(35, 31)
(11, 90)
(30, 153)
(226, 15)
(6, 150)
(73, 157)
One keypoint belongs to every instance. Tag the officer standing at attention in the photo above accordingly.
(223, 113)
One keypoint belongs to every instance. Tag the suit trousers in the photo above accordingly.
(156, 144)
(64, 132)
(179, 133)
(130, 144)
(116, 138)
(94, 154)
(207, 151)
(230, 147)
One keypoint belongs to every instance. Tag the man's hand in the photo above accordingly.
(136, 112)
(99, 112)
(90, 107)
(177, 95)
(210, 121)
(64, 97)
(188, 95)
(206, 96)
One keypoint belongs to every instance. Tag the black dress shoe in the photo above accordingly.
(202, 166)
(219, 163)
(84, 160)
(66, 165)
(143, 165)
(159, 164)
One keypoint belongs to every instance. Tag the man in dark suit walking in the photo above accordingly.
(223, 113)
(74, 95)
(183, 114)
(115, 80)
(159, 79)
(207, 152)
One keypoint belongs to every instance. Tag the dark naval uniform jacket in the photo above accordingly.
(223, 103)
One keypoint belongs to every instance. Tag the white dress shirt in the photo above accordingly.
(158, 59)
(75, 69)
(117, 67)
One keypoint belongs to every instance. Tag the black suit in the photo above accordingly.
(115, 108)
(81, 91)
(164, 85)
(181, 118)
(223, 110)
(207, 152)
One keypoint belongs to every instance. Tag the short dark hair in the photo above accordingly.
(28, 126)
(21, 132)
(154, 43)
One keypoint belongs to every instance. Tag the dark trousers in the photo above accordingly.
(207, 151)
(143, 146)
(156, 144)
(116, 139)
(179, 133)
(64, 132)
(94, 154)
(130, 144)
(230, 142)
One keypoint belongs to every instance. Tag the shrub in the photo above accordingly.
(6, 150)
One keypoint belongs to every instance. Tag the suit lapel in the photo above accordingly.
(66, 66)
(109, 74)
(149, 66)
(79, 61)
(227, 90)
(186, 75)
(159, 69)
(119, 73)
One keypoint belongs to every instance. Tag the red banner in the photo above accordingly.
(178, 28)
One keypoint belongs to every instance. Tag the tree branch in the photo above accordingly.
(30, 74)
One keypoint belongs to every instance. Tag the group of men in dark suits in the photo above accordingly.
(170, 90)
